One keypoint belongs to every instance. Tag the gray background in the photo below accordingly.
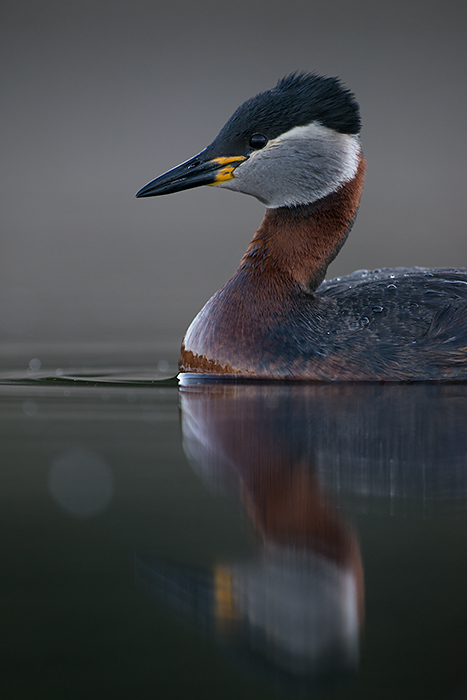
(98, 98)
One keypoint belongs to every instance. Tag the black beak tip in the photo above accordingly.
(143, 192)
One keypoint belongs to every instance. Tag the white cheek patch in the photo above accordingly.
(299, 167)
(345, 146)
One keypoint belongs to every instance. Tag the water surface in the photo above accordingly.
(231, 540)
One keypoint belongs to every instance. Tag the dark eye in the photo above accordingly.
(258, 141)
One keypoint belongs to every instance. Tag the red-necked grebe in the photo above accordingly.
(296, 148)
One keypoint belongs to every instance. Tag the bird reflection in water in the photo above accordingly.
(295, 610)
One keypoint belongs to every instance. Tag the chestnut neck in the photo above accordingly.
(299, 243)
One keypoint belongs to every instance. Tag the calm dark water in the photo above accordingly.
(230, 540)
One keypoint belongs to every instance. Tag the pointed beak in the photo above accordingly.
(195, 172)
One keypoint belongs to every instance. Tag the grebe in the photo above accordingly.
(296, 148)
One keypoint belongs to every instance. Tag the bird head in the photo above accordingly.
(291, 145)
